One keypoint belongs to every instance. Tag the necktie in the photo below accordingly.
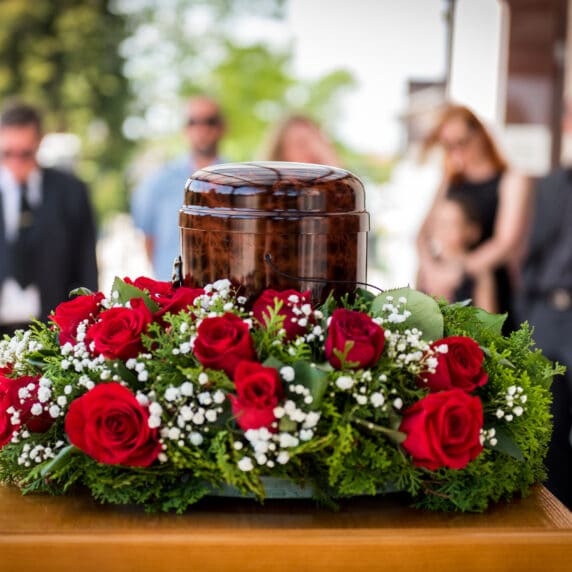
(22, 249)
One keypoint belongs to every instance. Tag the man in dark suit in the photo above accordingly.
(47, 229)
(546, 302)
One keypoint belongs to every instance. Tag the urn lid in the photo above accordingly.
(273, 186)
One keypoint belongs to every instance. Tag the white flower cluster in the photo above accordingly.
(408, 350)
(14, 350)
(511, 404)
(37, 453)
(367, 393)
(42, 393)
(394, 313)
(54, 405)
(191, 410)
(303, 316)
(488, 436)
(78, 357)
(139, 365)
(270, 448)
(217, 294)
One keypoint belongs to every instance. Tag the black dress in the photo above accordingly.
(484, 198)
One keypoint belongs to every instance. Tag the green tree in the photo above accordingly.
(179, 48)
(63, 55)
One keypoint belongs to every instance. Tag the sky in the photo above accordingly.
(383, 43)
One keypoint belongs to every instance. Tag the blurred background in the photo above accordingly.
(111, 77)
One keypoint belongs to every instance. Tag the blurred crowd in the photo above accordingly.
(490, 235)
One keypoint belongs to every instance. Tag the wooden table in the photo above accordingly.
(44, 534)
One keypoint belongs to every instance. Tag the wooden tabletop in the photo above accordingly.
(39, 533)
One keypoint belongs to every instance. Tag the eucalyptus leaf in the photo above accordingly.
(425, 313)
(505, 444)
(59, 460)
(492, 323)
(127, 292)
(287, 425)
(365, 295)
(392, 434)
(313, 378)
(81, 291)
(271, 361)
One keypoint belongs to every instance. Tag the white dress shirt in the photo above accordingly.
(18, 304)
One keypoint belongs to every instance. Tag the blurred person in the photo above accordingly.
(156, 202)
(47, 229)
(545, 300)
(475, 168)
(456, 230)
(299, 139)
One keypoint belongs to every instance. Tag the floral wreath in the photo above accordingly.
(160, 396)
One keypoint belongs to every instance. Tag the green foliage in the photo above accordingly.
(338, 430)
(64, 57)
(425, 313)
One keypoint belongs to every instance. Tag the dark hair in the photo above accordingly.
(468, 206)
(21, 115)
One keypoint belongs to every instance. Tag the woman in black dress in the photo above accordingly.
(475, 171)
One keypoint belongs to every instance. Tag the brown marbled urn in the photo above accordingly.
(275, 225)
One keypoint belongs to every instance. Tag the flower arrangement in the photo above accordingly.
(160, 396)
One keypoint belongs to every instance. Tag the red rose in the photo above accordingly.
(461, 366)
(170, 299)
(222, 342)
(259, 391)
(366, 336)
(68, 315)
(108, 424)
(180, 299)
(6, 427)
(117, 332)
(443, 429)
(292, 311)
(154, 287)
(21, 393)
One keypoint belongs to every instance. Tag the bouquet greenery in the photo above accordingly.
(160, 396)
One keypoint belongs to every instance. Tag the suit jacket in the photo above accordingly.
(552, 194)
(64, 239)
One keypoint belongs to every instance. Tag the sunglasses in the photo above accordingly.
(213, 121)
(25, 155)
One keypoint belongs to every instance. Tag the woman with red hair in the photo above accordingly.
(475, 171)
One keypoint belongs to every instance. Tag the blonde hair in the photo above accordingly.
(273, 149)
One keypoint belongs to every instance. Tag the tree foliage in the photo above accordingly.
(115, 73)
(64, 57)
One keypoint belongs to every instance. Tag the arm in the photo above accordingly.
(484, 292)
(511, 224)
(426, 262)
(143, 203)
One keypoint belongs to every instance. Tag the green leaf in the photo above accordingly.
(81, 291)
(59, 460)
(271, 361)
(127, 292)
(286, 424)
(492, 323)
(393, 435)
(365, 295)
(505, 444)
(425, 313)
(314, 378)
